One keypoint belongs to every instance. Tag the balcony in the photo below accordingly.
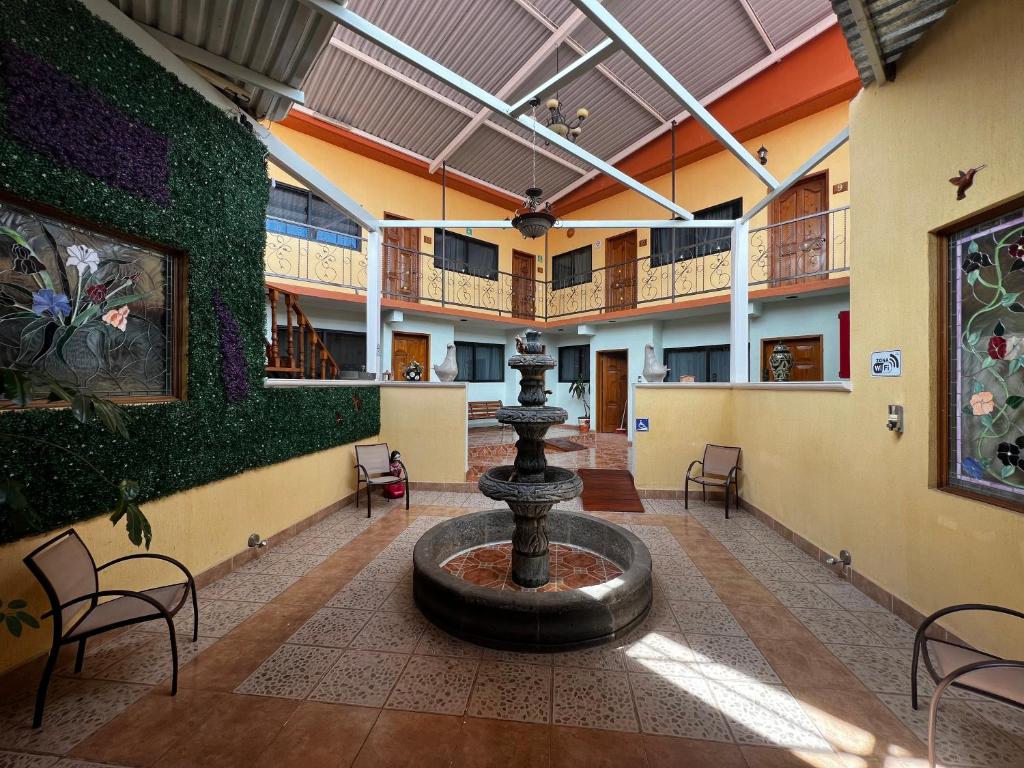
(793, 255)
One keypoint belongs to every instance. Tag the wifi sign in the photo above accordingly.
(887, 363)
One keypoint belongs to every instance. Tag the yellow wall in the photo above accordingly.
(427, 423)
(209, 524)
(822, 462)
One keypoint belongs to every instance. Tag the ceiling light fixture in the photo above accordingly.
(567, 129)
(533, 219)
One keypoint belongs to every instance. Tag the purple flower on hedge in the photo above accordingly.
(232, 357)
(47, 301)
(973, 468)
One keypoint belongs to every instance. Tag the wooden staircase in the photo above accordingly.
(295, 349)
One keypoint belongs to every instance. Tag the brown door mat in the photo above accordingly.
(564, 444)
(609, 490)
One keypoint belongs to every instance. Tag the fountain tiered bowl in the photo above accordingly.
(531, 577)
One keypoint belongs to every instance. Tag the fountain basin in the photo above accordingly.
(532, 621)
(558, 485)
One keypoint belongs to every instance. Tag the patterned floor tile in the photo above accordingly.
(772, 570)
(882, 670)
(721, 657)
(698, 588)
(400, 598)
(766, 715)
(390, 631)
(705, 618)
(434, 684)
(152, 664)
(437, 642)
(291, 672)
(385, 569)
(361, 677)
(1006, 718)
(660, 617)
(601, 657)
(520, 692)
(678, 706)
(74, 710)
(593, 699)
(298, 564)
(837, 626)
(331, 627)
(100, 656)
(248, 587)
(663, 653)
(851, 598)
(517, 657)
(800, 594)
(789, 552)
(962, 736)
(25, 760)
(892, 629)
(816, 573)
(362, 595)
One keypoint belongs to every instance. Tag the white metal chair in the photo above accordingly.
(373, 468)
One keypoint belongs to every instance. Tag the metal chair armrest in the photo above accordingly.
(689, 469)
(112, 593)
(962, 607)
(405, 472)
(366, 475)
(151, 556)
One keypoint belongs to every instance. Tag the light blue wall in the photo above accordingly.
(804, 316)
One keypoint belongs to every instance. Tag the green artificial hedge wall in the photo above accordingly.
(219, 188)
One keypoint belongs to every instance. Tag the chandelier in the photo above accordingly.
(531, 218)
(557, 122)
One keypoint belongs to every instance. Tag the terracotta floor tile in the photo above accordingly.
(410, 739)
(319, 736)
(857, 723)
(226, 664)
(670, 752)
(773, 757)
(232, 734)
(741, 590)
(807, 664)
(273, 623)
(769, 621)
(154, 724)
(579, 747)
(312, 591)
(503, 744)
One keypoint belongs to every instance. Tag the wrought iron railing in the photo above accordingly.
(314, 254)
(805, 249)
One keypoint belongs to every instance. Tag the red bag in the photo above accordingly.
(394, 490)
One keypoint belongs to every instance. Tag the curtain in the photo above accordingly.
(488, 362)
(691, 243)
(684, 362)
(288, 203)
(464, 359)
(574, 363)
(572, 268)
(718, 364)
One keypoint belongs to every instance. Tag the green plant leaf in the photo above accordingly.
(29, 619)
(1009, 299)
(978, 387)
(972, 277)
(989, 362)
(1014, 401)
(16, 605)
(13, 625)
(120, 301)
(974, 338)
(973, 247)
(16, 237)
(987, 420)
(86, 315)
(1005, 472)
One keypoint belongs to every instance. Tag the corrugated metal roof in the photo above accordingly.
(280, 38)
(704, 43)
(896, 25)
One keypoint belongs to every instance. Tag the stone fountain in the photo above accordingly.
(467, 582)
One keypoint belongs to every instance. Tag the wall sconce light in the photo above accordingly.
(762, 154)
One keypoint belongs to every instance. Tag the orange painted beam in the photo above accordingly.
(817, 75)
(345, 139)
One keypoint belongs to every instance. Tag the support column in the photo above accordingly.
(373, 295)
(739, 322)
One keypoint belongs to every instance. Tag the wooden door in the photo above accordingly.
(406, 347)
(620, 272)
(524, 301)
(612, 389)
(799, 248)
(401, 262)
(807, 358)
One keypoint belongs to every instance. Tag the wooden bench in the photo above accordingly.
(483, 409)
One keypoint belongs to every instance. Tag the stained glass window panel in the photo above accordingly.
(986, 358)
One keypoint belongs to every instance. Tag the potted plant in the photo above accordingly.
(579, 391)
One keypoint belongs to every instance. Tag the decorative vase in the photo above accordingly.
(653, 370)
(584, 423)
(413, 371)
(781, 362)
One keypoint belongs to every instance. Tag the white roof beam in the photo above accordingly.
(528, 68)
(718, 93)
(831, 146)
(588, 61)
(450, 103)
(560, 224)
(614, 29)
(862, 18)
(527, 6)
(224, 66)
(752, 15)
(407, 53)
(280, 153)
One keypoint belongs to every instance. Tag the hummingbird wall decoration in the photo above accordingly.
(963, 181)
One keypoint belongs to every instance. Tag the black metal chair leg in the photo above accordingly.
(704, 492)
(407, 493)
(195, 615)
(174, 657)
(727, 501)
(368, 499)
(686, 493)
(80, 655)
(44, 684)
(913, 674)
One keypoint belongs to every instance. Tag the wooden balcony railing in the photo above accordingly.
(295, 350)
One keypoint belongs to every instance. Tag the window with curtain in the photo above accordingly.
(574, 363)
(981, 385)
(465, 254)
(703, 363)
(572, 268)
(299, 213)
(479, 362)
(669, 244)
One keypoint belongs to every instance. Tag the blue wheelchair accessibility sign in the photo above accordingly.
(643, 425)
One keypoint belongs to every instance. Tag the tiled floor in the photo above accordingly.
(753, 656)
(493, 446)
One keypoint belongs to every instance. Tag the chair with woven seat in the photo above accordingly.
(719, 469)
(373, 469)
(70, 577)
(951, 664)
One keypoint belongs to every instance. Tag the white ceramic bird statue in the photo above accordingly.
(449, 368)
(653, 370)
